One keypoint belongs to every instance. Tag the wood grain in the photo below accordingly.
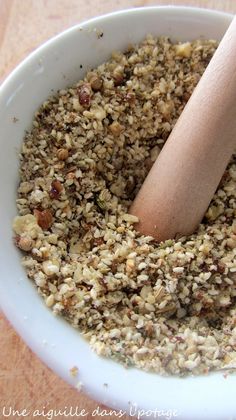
(24, 24)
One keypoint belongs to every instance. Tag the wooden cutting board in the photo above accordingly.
(25, 382)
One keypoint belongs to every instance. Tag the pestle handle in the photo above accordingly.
(179, 187)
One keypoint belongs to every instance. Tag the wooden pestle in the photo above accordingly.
(179, 187)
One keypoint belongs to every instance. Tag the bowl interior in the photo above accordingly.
(58, 64)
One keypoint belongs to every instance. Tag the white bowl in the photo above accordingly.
(56, 65)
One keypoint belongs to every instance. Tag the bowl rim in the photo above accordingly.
(92, 391)
(87, 22)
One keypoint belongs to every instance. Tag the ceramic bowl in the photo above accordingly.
(57, 64)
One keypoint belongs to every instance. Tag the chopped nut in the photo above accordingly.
(50, 268)
(62, 154)
(84, 92)
(159, 293)
(145, 291)
(99, 113)
(25, 187)
(44, 218)
(130, 265)
(56, 189)
(184, 50)
(98, 241)
(178, 270)
(116, 128)
(148, 163)
(24, 242)
(96, 83)
(214, 212)
(130, 218)
(70, 175)
(49, 301)
(155, 153)
(130, 97)
(74, 371)
(26, 225)
(231, 243)
(118, 75)
(221, 267)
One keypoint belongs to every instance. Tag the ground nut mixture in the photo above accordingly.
(166, 307)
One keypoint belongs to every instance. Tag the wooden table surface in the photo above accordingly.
(25, 382)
